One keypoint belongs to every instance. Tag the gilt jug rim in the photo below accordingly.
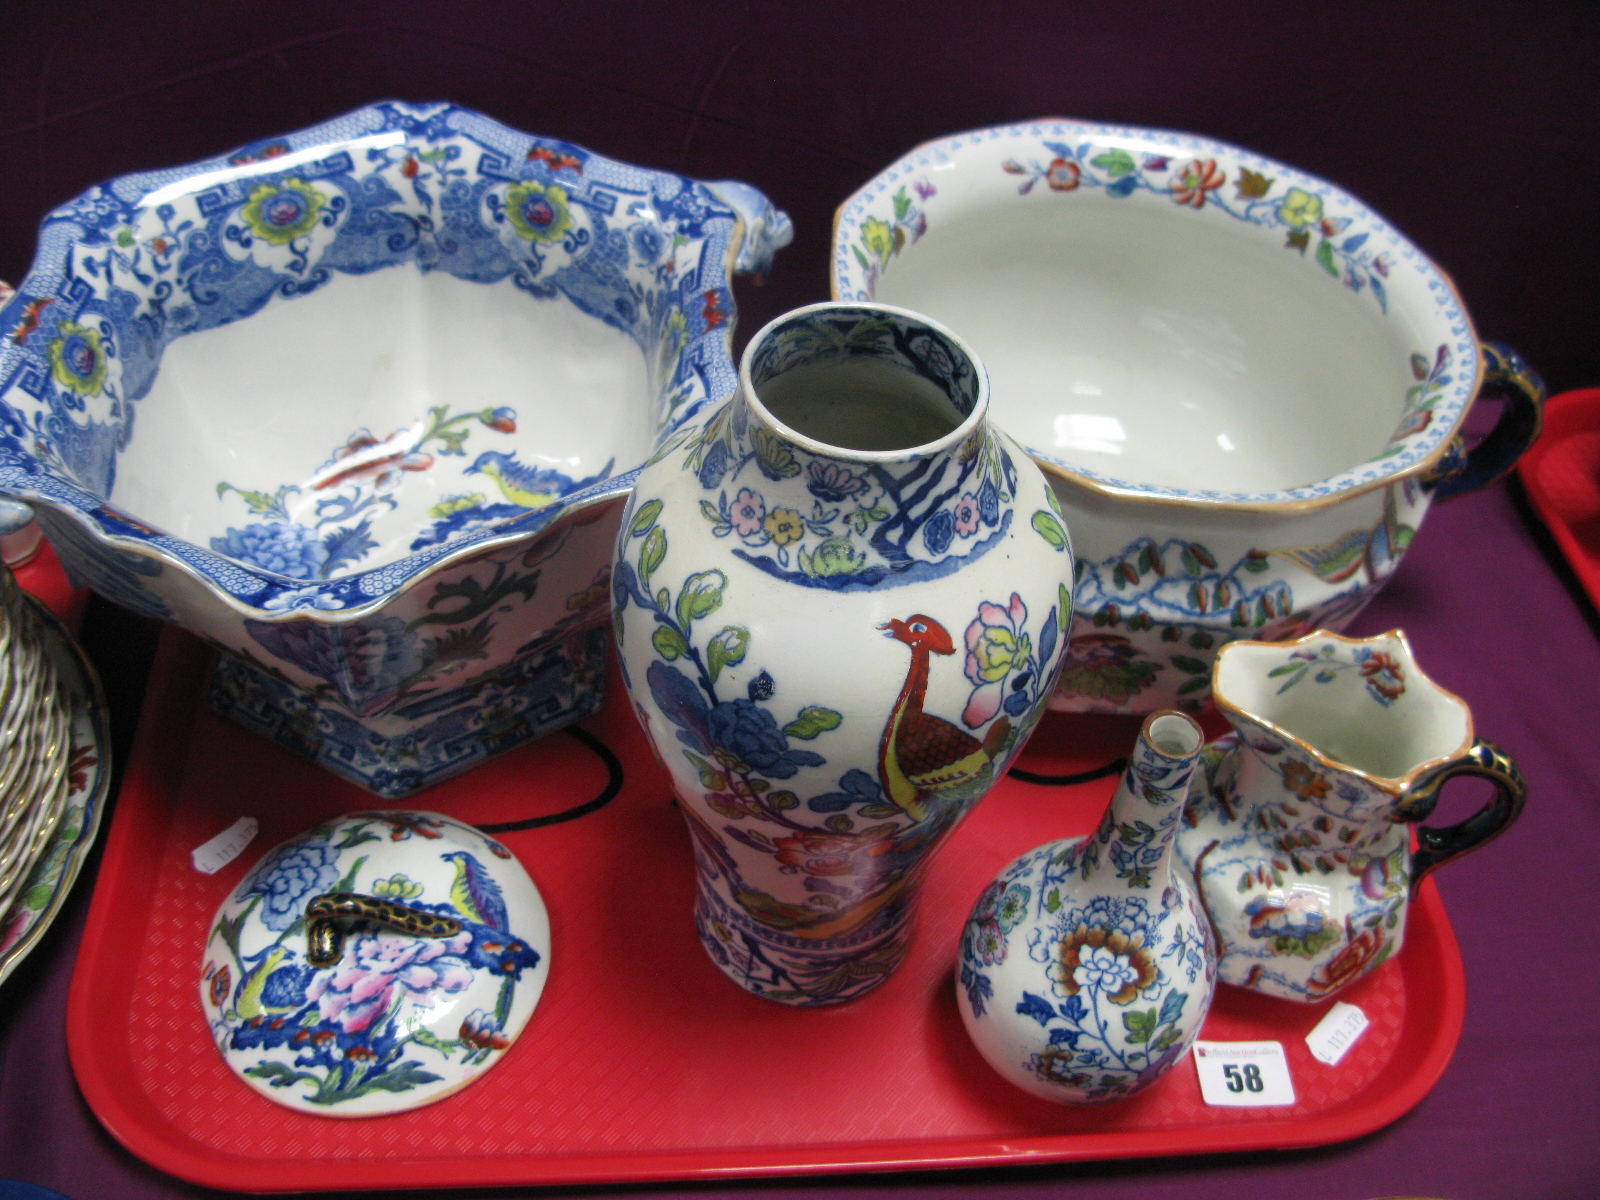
(1395, 638)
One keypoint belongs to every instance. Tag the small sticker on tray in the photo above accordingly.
(1340, 1029)
(212, 856)
(1243, 1074)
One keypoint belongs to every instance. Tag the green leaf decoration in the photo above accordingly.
(1140, 1025)
(1052, 902)
(1298, 239)
(1192, 666)
(1195, 685)
(811, 722)
(1326, 258)
(1168, 1036)
(663, 600)
(670, 644)
(1252, 185)
(348, 883)
(727, 649)
(1286, 668)
(840, 823)
(773, 456)
(1255, 561)
(652, 552)
(902, 205)
(1115, 163)
(645, 518)
(1050, 529)
(279, 1074)
(701, 596)
(783, 801)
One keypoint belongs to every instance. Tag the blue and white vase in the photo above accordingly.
(840, 601)
(1087, 966)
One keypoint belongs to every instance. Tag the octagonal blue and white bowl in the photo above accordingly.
(359, 405)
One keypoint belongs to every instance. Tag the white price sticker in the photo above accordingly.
(210, 857)
(1243, 1074)
(1340, 1029)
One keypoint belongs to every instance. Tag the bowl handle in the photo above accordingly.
(325, 940)
(766, 228)
(1435, 847)
(1462, 471)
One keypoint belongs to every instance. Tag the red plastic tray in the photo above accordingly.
(643, 1062)
(1562, 474)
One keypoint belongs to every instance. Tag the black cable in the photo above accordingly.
(1111, 768)
(613, 786)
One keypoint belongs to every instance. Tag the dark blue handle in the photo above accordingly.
(1507, 375)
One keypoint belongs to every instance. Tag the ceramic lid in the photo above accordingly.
(375, 963)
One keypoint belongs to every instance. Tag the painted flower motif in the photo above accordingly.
(538, 213)
(835, 556)
(365, 459)
(996, 646)
(818, 853)
(751, 735)
(502, 419)
(878, 238)
(290, 878)
(783, 526)
(1386, 678)
(647, 243)
(1359, 954)
(1105, 960)
(77, 358)
(481, 1031)
(1414, 422)
(833, 483)
(1300, 208)
(1303, 781)
(362, 986)
(989, 943)
(969, 517)
(747, 512)
(1191, 183)
(1062, 175)
(939, 531)
(277, 546)
(924, 189)
(1013, 906)
(989, 503)
(396, 887)
(219, 986)
(295, 598)
(278, 213)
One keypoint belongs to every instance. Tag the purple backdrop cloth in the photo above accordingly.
(1471, 127)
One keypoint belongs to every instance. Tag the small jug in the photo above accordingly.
(1296, 828)
(1087, 967)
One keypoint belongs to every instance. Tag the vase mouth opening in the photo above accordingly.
(1173, 734)
(864, 382)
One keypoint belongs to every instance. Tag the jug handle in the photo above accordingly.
(1435, 847)
(1460, 470)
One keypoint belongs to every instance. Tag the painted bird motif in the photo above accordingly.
(525, 486)
(921, 753)
(475, 893)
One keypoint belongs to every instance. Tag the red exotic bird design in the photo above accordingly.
(921, 753)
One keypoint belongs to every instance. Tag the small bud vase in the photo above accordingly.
(1087, 966)
(839, 604)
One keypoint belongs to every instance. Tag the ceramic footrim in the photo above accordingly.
(534, 694)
